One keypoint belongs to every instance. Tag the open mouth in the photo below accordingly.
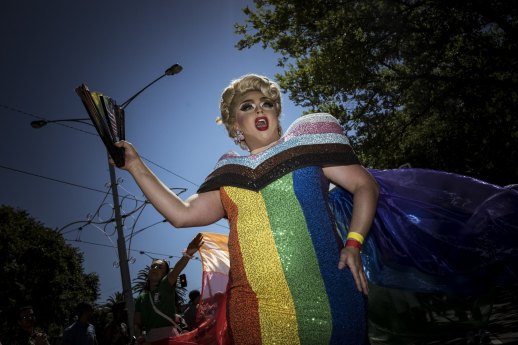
(261, 123)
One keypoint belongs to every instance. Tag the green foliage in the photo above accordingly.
(426, 82)
(114, 299)
(38, 268)
(140, 281)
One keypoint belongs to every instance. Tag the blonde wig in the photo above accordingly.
(240, 86)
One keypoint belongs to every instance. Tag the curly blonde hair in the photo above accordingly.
(240, 86)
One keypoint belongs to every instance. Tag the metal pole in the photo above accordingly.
(121, 248)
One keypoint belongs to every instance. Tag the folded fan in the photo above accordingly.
(108, 120)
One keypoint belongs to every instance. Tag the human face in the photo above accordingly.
(158, 265)
(257, 117)
(27, 319)
(158, 269)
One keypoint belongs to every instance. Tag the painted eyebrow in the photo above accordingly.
(261, 99)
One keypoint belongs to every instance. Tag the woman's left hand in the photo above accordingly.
(350, 257)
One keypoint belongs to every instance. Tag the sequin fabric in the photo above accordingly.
(311, 140)
(284, 286)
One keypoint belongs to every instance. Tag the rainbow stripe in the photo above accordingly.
(285, 284)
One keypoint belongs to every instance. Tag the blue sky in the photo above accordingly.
(117, 47)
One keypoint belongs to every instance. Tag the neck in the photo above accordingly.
(260, 149)
(153, 285)
(83, 321)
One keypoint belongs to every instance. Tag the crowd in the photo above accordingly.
(150, 323)
(83, 332)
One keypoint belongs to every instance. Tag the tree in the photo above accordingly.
(117, 297)
(428, 82)
(140, 281)
(38, 268)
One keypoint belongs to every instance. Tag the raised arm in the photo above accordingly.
(198, 210)
(358, 181)
(191, 249)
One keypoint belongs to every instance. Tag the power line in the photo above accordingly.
(42, 118)
(169, 171)
(94, 134)
(86, 222)
(85, 187)
(133, 250)
(52, 179)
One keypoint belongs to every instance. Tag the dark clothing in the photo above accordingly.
(189, 314)
(80, 334)
(24, 338)
(116, 333)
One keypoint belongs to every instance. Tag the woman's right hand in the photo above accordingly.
(195, 244)
(131, 156)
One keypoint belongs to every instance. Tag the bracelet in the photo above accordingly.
(355, 236)
(353, 243)
(187, 255)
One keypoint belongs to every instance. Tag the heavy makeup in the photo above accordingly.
(257, 117)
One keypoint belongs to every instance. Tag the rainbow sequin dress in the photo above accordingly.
(284, 285)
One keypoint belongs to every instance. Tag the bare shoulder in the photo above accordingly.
(204, 208)
(207, 198)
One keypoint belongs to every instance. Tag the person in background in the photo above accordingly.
(27, 333)
(155, 318)
(116, 331)
(191, 309)
(81, 332)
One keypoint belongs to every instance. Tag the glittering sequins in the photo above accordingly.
(285, 286)
(262, 267)
(299, 260)
(311, 140)
(284, 276)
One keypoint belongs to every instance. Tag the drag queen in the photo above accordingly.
(293, 278)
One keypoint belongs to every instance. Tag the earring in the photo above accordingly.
(239, 137)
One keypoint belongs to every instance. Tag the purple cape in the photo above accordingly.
(438, 232)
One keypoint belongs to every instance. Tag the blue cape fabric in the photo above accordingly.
(437, 232)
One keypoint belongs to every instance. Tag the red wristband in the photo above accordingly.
(353, 243)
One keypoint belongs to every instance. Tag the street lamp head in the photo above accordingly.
(174, 69)
(38, 123)
(43, 123)
(146, 254)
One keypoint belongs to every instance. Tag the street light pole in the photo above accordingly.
(121, 249)
(121, 243)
